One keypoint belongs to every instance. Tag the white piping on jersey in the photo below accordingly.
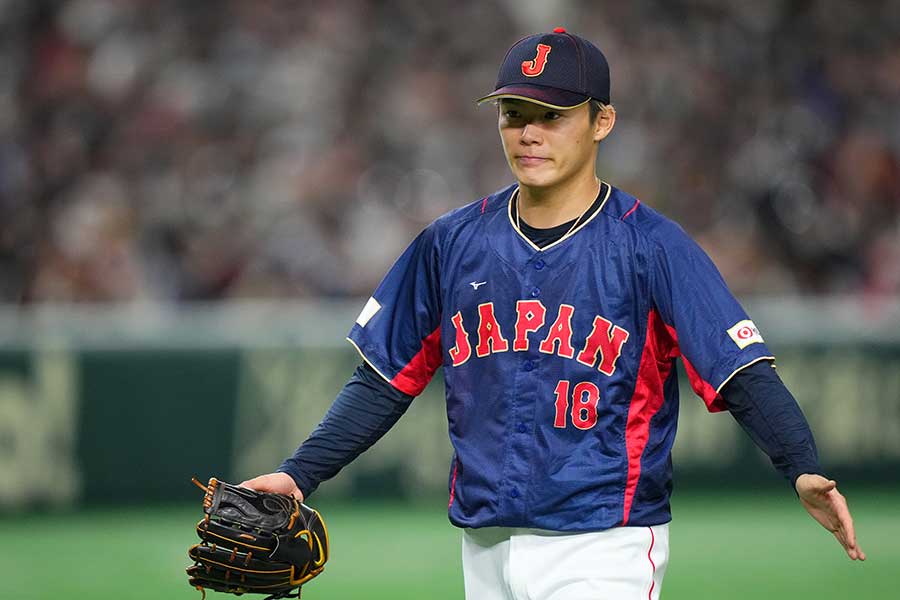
(741, 368)
(512, 221)
(368, 362)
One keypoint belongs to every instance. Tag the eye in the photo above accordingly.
(511, 114)
(551, 115)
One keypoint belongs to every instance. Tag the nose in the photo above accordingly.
(530, 134)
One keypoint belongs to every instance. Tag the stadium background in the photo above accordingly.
(196, 198)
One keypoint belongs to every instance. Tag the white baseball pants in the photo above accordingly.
(623, 563)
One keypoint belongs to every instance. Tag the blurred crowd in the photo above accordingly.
(172, 150)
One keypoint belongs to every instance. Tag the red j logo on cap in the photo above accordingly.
(534, 67)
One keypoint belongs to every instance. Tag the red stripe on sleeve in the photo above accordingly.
(701, 387)
(704, 389)
(483, 204)
(413, 378)
(453, 484)
(656, 364)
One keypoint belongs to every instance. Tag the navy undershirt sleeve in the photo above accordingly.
(364, 410)
(760, 402)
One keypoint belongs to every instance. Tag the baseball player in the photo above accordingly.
(557, 308)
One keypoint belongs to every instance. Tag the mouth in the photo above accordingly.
(526, 160)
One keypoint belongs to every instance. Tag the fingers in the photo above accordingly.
(848, 542)
(279, 483)
(262, 483)
(821, 498)
(844, 531)
(852, 550)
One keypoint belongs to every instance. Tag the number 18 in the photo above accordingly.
(585, 397)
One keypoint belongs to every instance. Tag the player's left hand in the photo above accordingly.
(827, 505)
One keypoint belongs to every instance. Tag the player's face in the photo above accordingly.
(546, 147)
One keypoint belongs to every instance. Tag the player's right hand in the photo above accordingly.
(279, 483)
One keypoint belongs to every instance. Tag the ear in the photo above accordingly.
(604, 123)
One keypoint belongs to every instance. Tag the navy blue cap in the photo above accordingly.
(559, 70)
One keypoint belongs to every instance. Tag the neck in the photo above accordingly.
(548, 207)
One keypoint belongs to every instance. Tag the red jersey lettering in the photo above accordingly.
(463, 350)
(560, 332)
(530, 315)
(490, 338)
(607, 340)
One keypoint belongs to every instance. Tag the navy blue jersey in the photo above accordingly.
(559, 362)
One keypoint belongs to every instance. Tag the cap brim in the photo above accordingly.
(549, 97)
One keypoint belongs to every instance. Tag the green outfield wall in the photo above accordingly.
(112, 407)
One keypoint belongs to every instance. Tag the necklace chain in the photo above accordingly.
(574, 225)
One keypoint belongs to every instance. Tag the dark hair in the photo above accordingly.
(596, 106)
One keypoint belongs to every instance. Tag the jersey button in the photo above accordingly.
(535, 292)
(539, 264)
(514, 493)
(522, 428)
(528, 366)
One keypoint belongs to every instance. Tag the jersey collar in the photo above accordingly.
(605, 190)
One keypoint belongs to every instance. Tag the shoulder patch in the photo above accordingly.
(368, 311)
(743, 333)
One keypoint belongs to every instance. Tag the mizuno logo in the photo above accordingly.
(477, 284)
